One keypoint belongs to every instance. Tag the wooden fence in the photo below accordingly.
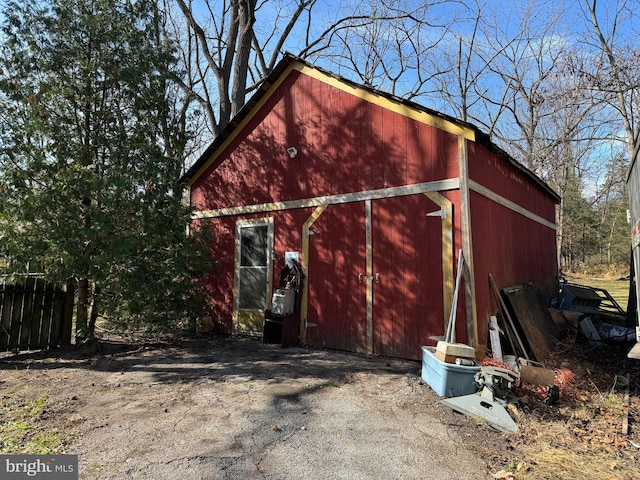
(34, 314)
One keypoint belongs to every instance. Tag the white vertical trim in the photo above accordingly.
(448, 260)
(369, 275)
(467, 243)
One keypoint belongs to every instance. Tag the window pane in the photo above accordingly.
(253, 246)
(253, 288)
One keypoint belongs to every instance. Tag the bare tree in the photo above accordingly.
(220, 49)
(513, 73)
(610, 202)
(610, 70)
(523, 65)
(615, 70)
(466, 56)
(230, 46)
(393, 48)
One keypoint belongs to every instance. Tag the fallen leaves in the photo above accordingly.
(511, 475)
(504, 475)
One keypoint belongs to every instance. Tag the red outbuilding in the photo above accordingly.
(375, 197)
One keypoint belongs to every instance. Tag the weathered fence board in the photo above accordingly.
(34, 314)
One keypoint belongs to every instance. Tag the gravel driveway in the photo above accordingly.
(222, 408)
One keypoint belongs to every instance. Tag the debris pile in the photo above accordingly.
(522, 368)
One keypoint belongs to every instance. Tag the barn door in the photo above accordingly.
(375, 277)
(408, 275)
(336, 307)
(254, 269)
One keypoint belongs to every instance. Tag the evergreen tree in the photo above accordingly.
(90, 158)
(580, 240)
(611, 208)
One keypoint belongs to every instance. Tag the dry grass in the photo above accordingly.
(555, 463)
(586, 446)
(581, 437)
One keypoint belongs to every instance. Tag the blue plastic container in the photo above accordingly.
(446, 379)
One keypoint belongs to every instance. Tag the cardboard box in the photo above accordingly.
(446, 358)
(449, 352)
(446, 379)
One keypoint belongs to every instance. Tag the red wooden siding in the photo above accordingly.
(345, 144)
(407, 283)
(514, 249)
(502, 178)
(407, 252)
(336, 296)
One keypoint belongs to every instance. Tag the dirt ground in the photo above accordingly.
(228, 408)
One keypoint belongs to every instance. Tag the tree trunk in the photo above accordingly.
(94, 310)
(246, 19)
(82, 312)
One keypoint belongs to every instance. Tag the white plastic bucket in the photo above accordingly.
(511, 361)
